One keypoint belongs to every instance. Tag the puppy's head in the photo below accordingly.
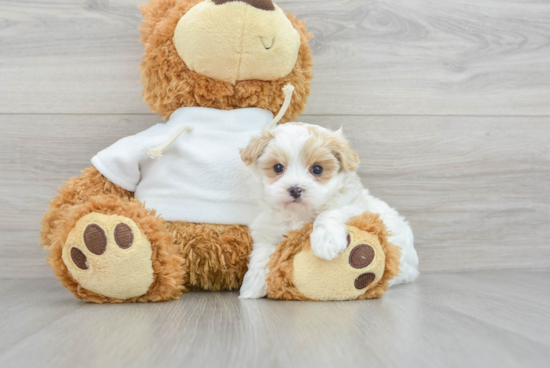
(300, 165)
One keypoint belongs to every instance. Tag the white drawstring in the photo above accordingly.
(157, 152)
(288, 89)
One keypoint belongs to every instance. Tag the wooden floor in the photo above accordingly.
(482, 319)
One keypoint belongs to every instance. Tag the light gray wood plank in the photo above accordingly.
(460, 57)
(474, 188)
(516, 301)
(20, 253)
(432, 323)
(28, 306)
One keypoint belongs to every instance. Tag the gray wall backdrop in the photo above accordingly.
(447, 103)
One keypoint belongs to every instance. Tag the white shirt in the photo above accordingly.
(200, 177)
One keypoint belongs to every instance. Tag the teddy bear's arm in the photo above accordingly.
(120, 162)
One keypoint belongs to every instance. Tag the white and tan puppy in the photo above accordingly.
(306, 173)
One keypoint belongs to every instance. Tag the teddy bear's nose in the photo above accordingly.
(260, 4)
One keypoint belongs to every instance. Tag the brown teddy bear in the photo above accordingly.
(215, 69)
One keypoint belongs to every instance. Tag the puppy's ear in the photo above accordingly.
(256, 147)
(348, 158)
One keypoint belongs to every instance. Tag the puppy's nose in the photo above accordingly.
(260, 4)
(295, 192)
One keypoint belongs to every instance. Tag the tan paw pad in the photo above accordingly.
(109, 255)
(347, 276)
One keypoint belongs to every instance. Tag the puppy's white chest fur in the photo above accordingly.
(283, 221)
(295, 220)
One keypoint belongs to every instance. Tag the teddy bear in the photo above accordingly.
(143, 227)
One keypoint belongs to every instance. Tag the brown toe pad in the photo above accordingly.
(79, 258)
(361, 256)
(124, 236)
(364, 280)
(95, 239)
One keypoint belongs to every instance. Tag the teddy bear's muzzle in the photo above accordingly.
(237, 40)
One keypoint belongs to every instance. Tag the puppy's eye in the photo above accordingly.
(278, 168)
(317, 170)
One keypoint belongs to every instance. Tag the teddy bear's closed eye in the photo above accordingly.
(264, 43)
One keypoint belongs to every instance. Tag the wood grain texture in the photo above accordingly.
(421, 57)
(482, 319)
(475, 189)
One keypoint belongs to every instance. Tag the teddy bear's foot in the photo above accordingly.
(361, 271)
(345, 277)
(113, 250)
(109, 255)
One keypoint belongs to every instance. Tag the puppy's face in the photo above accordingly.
(300, 165)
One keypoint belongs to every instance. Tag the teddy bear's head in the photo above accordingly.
(223, 54)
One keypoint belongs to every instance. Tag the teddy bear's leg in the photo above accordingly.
(362, 271)
(106, 247)
(114, 250)
(215, 256)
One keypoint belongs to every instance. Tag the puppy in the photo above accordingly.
(306, 173)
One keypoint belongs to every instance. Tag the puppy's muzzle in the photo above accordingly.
(295, 192)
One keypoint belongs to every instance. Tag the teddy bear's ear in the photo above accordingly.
(152, 14)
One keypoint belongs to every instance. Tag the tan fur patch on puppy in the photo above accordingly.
(339, 146)
(317, 151)
(251, 153)
(257, 147)
(274, 156)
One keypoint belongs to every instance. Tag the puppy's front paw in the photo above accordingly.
(254, 285)
(328, 239)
